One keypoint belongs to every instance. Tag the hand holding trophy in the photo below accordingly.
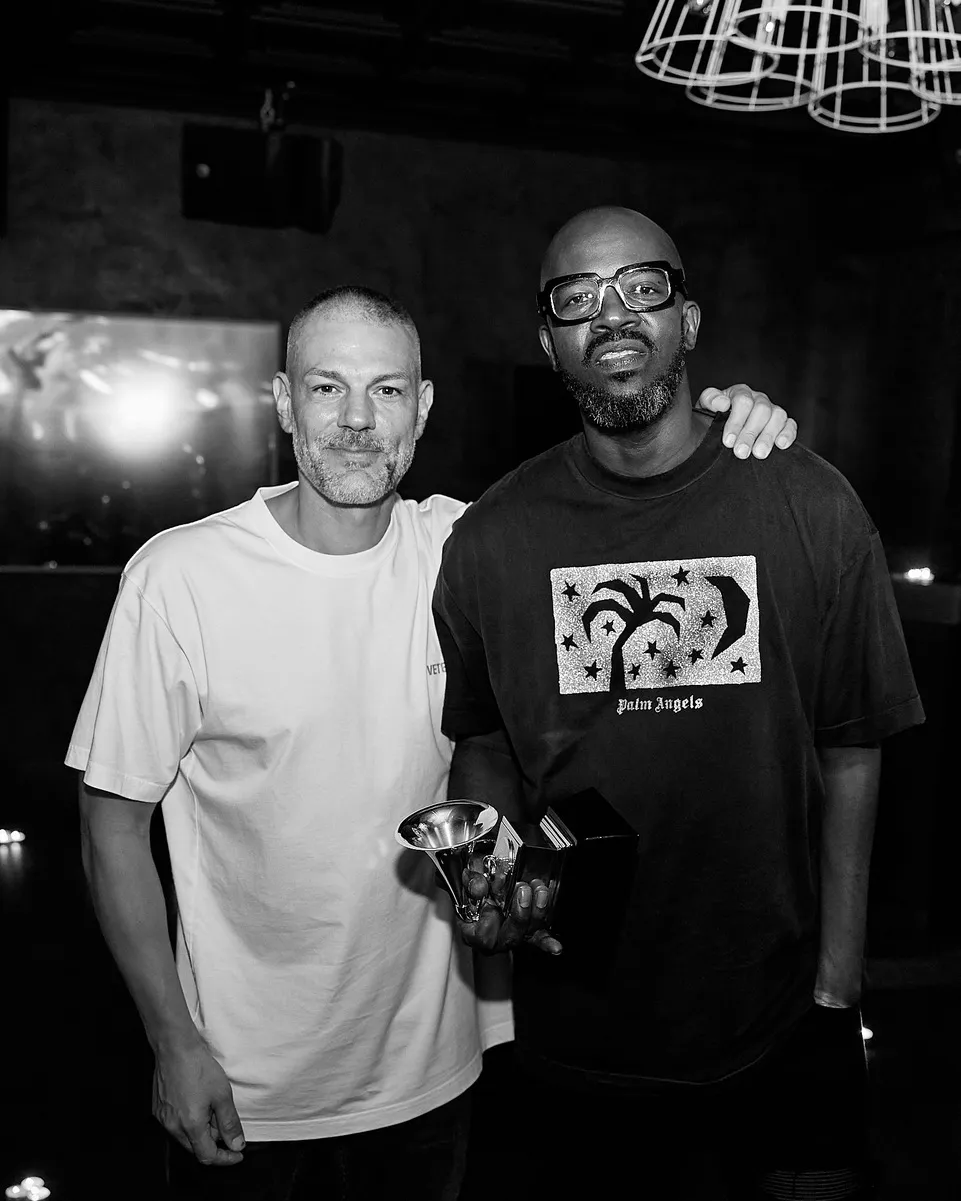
(496, 908)
(521, 918)
(525, 885)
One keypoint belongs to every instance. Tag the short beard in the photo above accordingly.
(357, 487)
(623, 414)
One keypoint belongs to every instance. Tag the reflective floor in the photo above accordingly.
(76, 1068)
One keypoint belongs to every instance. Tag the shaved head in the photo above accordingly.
(350, 303)
(586, 234)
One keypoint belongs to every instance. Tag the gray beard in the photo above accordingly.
(621, 414)
(352, 488)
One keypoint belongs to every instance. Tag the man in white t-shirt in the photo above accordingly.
(272, 675)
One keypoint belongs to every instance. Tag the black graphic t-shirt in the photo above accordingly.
(683, 644)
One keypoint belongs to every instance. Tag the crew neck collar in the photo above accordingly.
(314, 560)
(650, 487)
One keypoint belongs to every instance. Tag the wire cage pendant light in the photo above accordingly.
(870, 89)
(923, 36)
(796, 34)
(864, 66)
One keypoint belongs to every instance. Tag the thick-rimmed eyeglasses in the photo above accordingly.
(642, 287)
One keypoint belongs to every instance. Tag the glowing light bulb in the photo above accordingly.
(919, 575)
(867, 1033)
(31, 1188)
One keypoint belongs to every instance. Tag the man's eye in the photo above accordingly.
(578, 300)
(323, 389)
(389, 390)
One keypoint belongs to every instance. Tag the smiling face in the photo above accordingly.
(354, 404)
(624, 368)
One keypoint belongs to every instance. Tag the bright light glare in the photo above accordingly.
(867, 1034)
(31, 1188)
(92, 380)
(919, 575)
(144, 411)
(10, 836)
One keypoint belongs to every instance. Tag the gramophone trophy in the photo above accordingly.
(580, 841)
(450, 834)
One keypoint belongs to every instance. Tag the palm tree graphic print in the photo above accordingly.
(624, 626)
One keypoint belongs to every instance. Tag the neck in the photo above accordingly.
(658, 447)
(307, 517)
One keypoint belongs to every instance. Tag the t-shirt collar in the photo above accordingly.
(705, 455)
(333, 565)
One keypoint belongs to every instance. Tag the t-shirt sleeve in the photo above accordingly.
(867, 689)
(469, 704)
(142, 708)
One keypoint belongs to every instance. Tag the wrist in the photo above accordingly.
(176, 1040)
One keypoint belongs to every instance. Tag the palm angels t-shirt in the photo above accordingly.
(684, 644)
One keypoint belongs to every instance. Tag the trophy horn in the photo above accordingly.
(448, 833)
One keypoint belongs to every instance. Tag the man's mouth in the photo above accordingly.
(619, 357)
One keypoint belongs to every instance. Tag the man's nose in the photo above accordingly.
(613, 313)
(357, 411)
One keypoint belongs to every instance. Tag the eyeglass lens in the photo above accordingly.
(642, 289)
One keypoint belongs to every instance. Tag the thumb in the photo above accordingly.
(714, 400)
(228, 1123)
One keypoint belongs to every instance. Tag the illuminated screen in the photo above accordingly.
(112, 428)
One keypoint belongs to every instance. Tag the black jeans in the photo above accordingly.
(419, 1160)
(792, 1126)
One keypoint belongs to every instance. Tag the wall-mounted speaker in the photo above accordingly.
(272, 180)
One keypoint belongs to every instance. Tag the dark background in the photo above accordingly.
(828, 267)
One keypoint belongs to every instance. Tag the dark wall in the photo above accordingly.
(832, 277)
(829, 274)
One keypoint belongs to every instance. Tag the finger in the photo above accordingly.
(765, 439)
(178, 1136)
(754, 424)
(787, 436)
(741, 403)
(520, 909)
(477, 887)
(227, 1124)
(206, 1151)
(713, 400)
(540, 900)
(483, 933)
(546, 942)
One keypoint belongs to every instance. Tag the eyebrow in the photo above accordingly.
(378, 379)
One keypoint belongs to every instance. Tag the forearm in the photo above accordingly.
(851, 776)
(484, 769)
(129, 903)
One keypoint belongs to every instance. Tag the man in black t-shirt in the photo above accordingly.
(714, 648)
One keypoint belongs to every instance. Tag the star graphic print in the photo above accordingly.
(672, 624)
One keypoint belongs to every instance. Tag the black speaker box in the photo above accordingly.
(271, 180)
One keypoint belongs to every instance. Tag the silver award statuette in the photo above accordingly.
(449, 834)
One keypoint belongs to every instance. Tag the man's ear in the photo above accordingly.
(691, 318)
(283, 402)
(425, 398)
(547, 344)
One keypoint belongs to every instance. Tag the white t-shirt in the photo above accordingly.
(285, 705)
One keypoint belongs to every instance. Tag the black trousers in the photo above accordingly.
(794, 1125)
(420, 1160)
